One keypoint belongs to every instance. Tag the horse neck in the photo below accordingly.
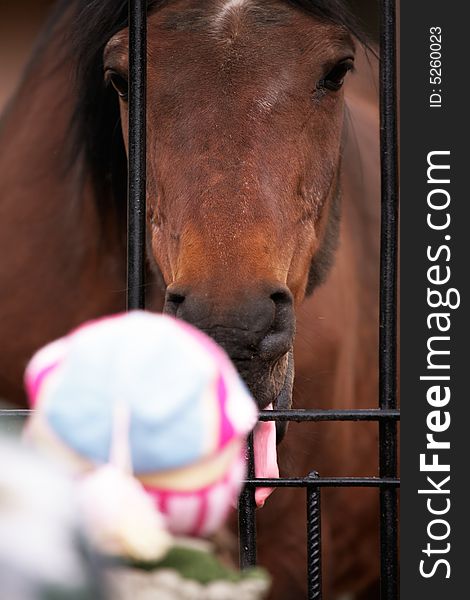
(61, 264)
(33, 133)
(40, 180)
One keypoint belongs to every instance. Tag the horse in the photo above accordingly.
(262, 224)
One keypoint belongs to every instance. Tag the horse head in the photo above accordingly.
(245, 114)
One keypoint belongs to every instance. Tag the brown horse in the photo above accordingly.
(253, 143)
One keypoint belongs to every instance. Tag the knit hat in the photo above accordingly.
(154, 397)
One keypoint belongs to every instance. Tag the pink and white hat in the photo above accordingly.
(187, 412)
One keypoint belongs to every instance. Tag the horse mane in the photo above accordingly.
(95, 132)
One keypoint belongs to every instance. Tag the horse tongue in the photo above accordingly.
(265, 456)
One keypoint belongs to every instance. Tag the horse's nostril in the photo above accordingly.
(282, 297)
(175, 298)
(278, 340)
(284, 311)
(173, 302)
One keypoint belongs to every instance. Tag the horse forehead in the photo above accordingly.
(219, 41)
(261, 53)
(228, 6)
(228, 34)
(228, 15)
(192, 15)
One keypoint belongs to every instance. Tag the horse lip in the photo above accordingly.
(284, 398)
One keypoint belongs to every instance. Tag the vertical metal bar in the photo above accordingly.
(137, 154)
(388, 297)
(314, 566)
(247, 516)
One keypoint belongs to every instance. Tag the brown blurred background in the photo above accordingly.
(21, 20)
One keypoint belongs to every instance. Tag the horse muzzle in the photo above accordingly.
(255, 327)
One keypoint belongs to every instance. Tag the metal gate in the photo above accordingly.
(386, 414)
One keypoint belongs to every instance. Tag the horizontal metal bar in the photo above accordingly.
(15, 412)
(300, 415)
(326, 482)
(297, 415)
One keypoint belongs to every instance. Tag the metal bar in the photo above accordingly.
(247, 515)
(388, 299)
(314, 566)
(136, 224)
(299, 415)
(326, 482)
(15, 413)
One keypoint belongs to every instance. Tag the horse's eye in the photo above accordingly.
(119, 83)
(335, 78)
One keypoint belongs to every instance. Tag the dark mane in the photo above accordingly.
(95, 128)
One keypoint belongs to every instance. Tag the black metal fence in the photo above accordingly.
(387, 414)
